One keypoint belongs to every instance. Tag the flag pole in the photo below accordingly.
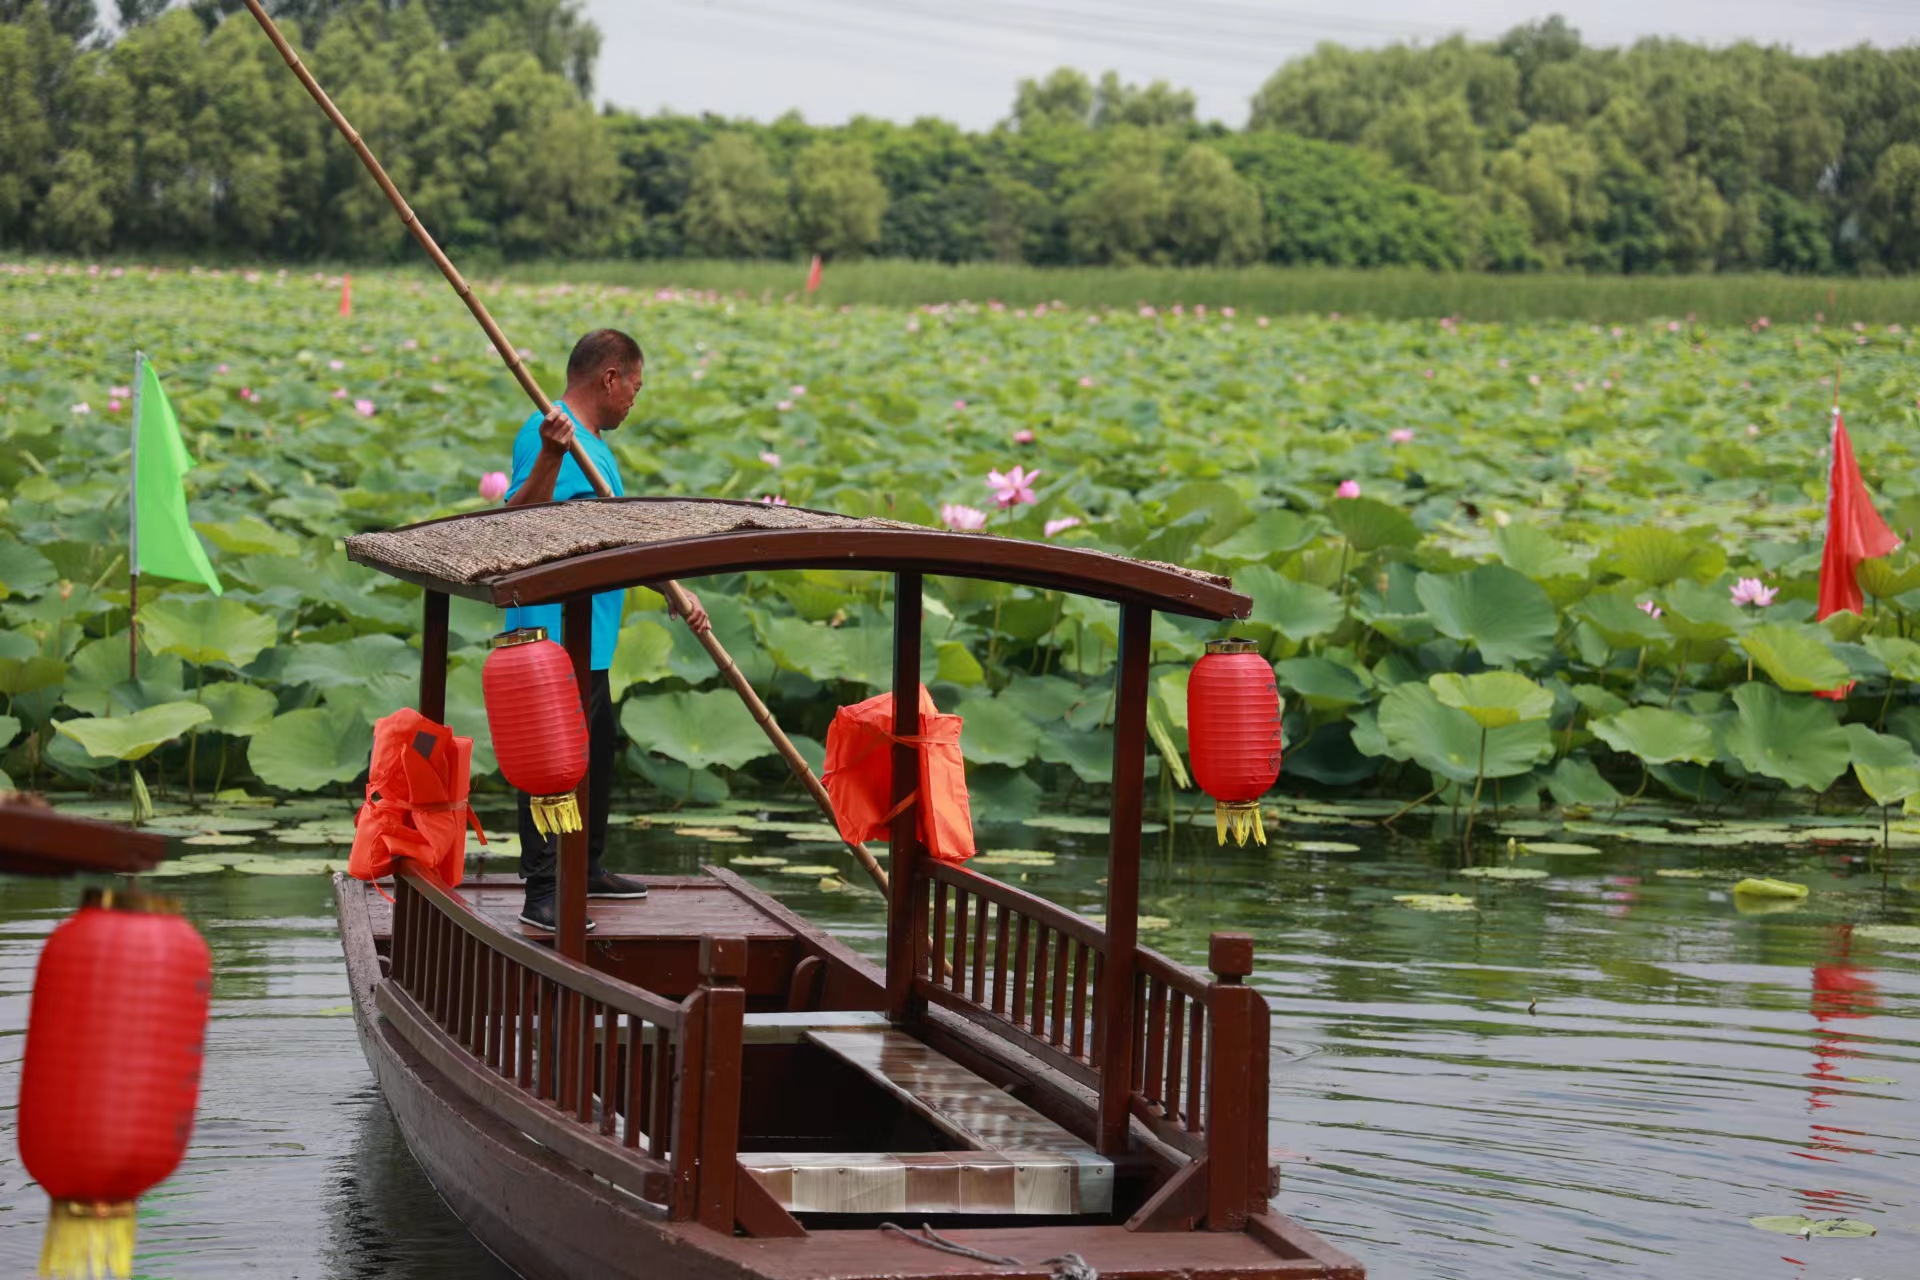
(674, 592)
(133, 525)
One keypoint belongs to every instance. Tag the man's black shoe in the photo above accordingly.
(608, 885)
(541, 914)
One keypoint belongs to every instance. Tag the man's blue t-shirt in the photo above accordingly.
(571, 483)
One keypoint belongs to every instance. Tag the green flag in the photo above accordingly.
(164, 542)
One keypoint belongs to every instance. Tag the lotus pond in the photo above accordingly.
(1609, 1066)
(1578, 571)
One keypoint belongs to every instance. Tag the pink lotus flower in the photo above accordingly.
(1263, 322)
(1228, 312)
(1673, 326)
(913, 326)
(220, 369)
(363, 407)
(1649, 608)
(31, 337)
(120, 393)
(1401, 435)
(1148, 313)
(1347, 489)
(771, 458)
(796, 391)
(1533, 379)
(1012, 488)
(336, 365)
(1023, 436)
(1086, 380)
(1427, 374)
(113, 406)
(493, 486)
(249, 395)
(962, 519)
(1064, 523)
(1754, 592)
(411, 344)
(784, 406)
(962, 404)
(83, 407)
(1752, 430)
(772, 500)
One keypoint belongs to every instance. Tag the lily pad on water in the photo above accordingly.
(289, 866)
(1504, 873)
(1152, 924)
(1793, 1224)
(206, 824)
(1014, 857)
(1757, 887)
(217, 838)
(1842, 835)
(1076, 824)
(1557, 848)
(812, 833)
(1435, 901)
(1899, 935)
(1684, 873)
(1322, 846)
(809, 870)
(757, 860)
(231, 858)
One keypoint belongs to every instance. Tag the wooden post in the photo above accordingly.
(576, 622)
(723, 964)
(905, 947)
(1233, 1144)
(1123, 876)
(433, 659)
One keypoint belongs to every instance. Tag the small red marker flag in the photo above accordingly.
(813, 274)
(346, 295)
(1855, 531)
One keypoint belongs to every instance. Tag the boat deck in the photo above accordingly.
(653, 941)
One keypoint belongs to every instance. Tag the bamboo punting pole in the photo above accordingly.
(675, 593)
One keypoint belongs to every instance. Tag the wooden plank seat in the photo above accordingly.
(1012, 1160)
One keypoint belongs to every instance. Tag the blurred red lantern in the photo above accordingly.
(115, 1037)
(539, 730)
(1233, 734)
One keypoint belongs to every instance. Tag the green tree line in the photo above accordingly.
(175, 129)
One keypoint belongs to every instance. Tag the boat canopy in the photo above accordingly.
(548, 552)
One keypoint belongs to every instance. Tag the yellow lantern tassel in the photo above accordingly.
(1239, 818)
(87, 1241)
(554, 814)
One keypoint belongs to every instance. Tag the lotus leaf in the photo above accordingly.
(332, 666)
(30, 675)
(1764, 888)
(1369, 524)
(695, 729)
(1557, 848)
(1576, 781)
(1435, 901)
(1880, 578)
(1899, 935)
(249, 536)
(134, 737)
(1495, 699)
(1797, 1225)
(1902, 657)
(239, 709)
(1658, 556)
(1447, 742)
(1503, 873)
(1700, 613)
(1272, 533)
(956, 664)
(306, 750)
(1503, 614)
(1797, 658)
(1657, 735)
(1297, 610)
(1615, 615)
(993, 731)
(756, 860)
(204, 629)
(1077, 824)
(1793, 737)
(1322, 846)
(640, 657)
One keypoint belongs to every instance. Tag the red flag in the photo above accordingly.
(346, 295)
(813, 274)
(1855, 531)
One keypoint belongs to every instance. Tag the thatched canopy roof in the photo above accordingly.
(535, 554)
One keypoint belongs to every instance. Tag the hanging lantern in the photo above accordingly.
(115, 1036)
(1233, 734)
(539, 731)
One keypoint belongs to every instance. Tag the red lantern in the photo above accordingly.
(115, 1036)
(539, 731)
(1233, 734)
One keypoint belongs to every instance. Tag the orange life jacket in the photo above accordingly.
(859, 775)
(416, 803)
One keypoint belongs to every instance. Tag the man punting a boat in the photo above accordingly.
(604, 375)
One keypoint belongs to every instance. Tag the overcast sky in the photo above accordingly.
(959, 59)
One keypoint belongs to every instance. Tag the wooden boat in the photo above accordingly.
(710, 1086)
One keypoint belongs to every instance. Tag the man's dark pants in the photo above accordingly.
(539, 855)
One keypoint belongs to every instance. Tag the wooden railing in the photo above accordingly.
(1032, 973)
(612, 1076)
(1016, 964)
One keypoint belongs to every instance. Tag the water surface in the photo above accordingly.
(1602, 1074)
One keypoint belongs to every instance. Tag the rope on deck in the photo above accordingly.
(1068, 1266)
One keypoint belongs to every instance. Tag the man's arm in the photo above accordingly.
(556, 437)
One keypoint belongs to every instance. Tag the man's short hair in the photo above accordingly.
(599, 349)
